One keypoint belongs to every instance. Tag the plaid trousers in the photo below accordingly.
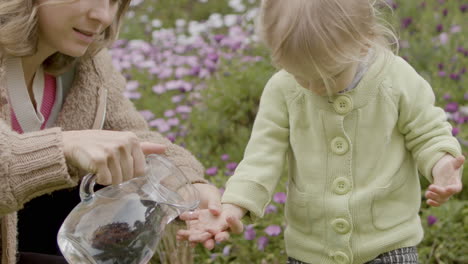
(408, 255)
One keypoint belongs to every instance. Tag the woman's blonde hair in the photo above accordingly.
(18, 32)
(322, 34)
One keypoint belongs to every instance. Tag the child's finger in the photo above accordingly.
(432, 195)
(437, 198)
(454, 189)
(441, 191)
(209, 244)
(235, 225)
(214, 208)
(215, 230)
(432, 203)
(199, 237)
(222, 236)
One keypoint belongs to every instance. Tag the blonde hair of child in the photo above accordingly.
(18, 32)
(323, 35)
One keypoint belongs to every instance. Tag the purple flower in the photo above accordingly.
(262, 242)
(439, 28)
(440, 66)
(463, 8)
(271, 209)
(169, 113)
(218, 37)
(213, 57)
(227, 250)
(455, 29)
(455, 132)
(147, 114)
(447, 96)
(442, 74)
(273, 230)
(465, 96)
(171, 137)
(406, 22)
(249, 233)
(443, 38)
(279, 197)
(445, 12)
(455, 76)
(211, 171)
(451, 107)
(225, 157)
(431, 220)
(231, 166)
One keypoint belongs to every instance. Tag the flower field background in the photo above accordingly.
(195, 71)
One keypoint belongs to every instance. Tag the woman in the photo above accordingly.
(57, 85)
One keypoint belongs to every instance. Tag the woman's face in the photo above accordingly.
(71, 27)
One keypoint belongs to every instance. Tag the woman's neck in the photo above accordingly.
(31, 64)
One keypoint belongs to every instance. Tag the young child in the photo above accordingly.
(356, 126)
(57, 82)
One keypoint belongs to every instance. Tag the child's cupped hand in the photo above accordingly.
(447, 180)
(206, 228)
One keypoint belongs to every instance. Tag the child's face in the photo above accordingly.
(311, 80)
(71, 27)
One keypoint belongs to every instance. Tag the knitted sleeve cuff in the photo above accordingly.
(249, 195)
(37, 165)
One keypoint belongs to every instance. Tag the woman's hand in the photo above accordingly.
(114, 156)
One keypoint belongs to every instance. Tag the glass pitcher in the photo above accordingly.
(122, 224)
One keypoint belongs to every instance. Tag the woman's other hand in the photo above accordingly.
(114, 156)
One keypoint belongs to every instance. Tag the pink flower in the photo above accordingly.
(273, 230)
(280, 197)
(249, 233)
(262, 242)
(231, 166)
(271, 209)
(211, 171)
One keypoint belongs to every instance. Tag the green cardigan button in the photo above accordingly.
(341, 226)
(341, 185)
(339, 145)
(340, 258)
(343, 105)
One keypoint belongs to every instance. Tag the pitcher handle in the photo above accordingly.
(87, 187)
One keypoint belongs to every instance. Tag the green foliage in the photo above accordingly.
(446, 241)
(222, 121)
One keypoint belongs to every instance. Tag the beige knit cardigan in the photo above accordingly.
(33, 164)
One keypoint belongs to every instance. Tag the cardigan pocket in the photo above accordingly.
(302, 209)
(395, 204)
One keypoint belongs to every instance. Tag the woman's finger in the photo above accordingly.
(152, 148)
(127, 164)
(188, 216)
(115, 169)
